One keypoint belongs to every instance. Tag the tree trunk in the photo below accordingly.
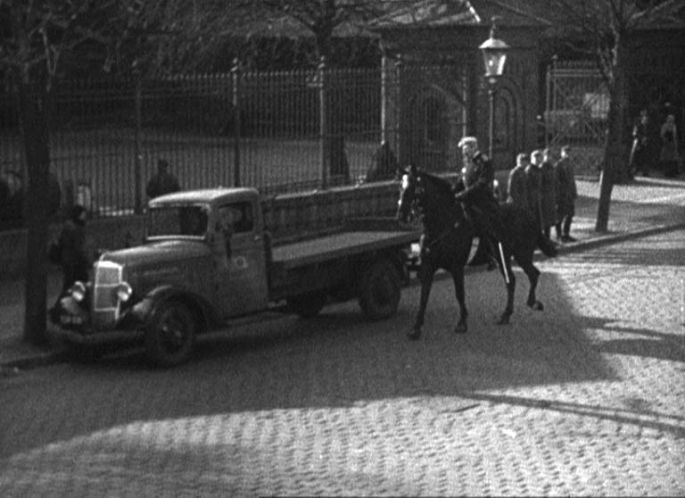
(33, 101)
(615, 158)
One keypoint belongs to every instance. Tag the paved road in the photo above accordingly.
(585, 398)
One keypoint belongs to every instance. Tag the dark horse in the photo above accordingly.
(448, 235)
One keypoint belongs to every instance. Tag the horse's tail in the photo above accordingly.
(546, 245)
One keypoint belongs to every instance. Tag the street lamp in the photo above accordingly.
(494, 56)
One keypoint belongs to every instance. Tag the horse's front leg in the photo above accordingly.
(458, 278)
(426, 273)
(533, 275)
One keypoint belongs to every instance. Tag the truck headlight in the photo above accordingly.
(78, 291)
(124, 291)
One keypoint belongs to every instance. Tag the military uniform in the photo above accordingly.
(517, 188)
(480, 203)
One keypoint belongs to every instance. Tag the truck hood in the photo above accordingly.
(158, 253)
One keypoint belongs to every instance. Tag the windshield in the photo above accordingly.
(170, 221)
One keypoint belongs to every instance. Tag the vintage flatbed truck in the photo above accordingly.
(207, 259)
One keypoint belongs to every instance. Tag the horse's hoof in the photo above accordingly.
(460, 328)
(537, 306)
(503, 320)
(414, 335)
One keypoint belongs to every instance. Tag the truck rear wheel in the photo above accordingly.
(380, 290)
(308, 305)
(170, 337)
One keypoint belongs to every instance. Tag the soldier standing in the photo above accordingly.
(568, 193)
(534, 177)
(548, 193)
(517, 188)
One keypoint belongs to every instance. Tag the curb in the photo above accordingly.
(616, 237)
(59, 356)
(33, 361)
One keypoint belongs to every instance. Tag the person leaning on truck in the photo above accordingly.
(74, 257)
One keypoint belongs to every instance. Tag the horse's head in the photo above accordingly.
(428, 196)
(410, 192)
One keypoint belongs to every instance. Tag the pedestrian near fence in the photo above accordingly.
(567, 194)
(163, 182)
(669, 157)
(384, 165)
(71, 253)
(639, 151)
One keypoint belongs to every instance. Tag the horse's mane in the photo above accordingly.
(443, 185)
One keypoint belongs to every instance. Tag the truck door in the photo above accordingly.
(241, 280)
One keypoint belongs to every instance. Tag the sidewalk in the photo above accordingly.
(646, 206)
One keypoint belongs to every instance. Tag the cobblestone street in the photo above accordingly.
(585, 398)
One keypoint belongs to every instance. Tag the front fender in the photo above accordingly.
(144, 310)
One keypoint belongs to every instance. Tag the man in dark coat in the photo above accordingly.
(74, 257)
(477, 195)
(517, 188)
(534, 177)
(548, 192)
(566, 181)
(639, 151)
(384, 164)
(163, 182)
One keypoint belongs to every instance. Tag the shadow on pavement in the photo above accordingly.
(337, 359)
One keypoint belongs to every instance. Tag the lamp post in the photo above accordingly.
(494, 56)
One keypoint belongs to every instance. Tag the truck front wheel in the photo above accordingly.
(380, 290)
(170, 336)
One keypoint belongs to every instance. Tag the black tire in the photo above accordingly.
(380, 290)
(170, 336)
(308, 305)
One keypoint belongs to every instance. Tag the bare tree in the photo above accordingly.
(36, 35)
(157, 37)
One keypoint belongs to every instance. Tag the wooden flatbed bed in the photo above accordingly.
(330, 247)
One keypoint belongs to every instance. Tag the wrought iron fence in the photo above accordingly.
(578, 104)
(263, 129)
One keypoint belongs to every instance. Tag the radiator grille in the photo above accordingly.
(108, 276)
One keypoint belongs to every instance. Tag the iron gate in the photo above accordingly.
(577, 111)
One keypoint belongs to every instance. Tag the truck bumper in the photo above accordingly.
(99, 337)
(73, 326)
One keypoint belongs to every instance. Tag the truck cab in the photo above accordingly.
(229, 223)
(203, 260)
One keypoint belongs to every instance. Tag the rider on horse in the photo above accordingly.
(475, 192)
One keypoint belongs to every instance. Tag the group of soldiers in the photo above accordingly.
(545, 188)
